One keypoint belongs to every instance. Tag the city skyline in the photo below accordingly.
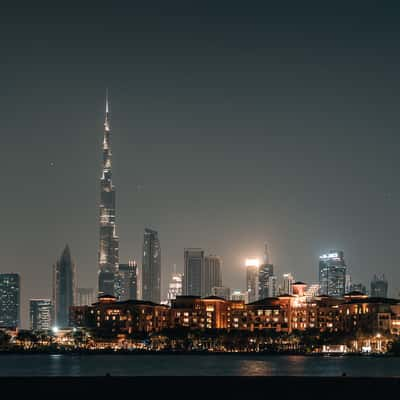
(231, 127)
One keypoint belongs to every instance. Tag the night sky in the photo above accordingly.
(234, 123)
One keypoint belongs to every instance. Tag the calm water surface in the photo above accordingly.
(232, 365)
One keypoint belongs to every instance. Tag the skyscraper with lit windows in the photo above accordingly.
(194, 267)
(40, 312)
(108, 246)
(10, 303)
(151, 267)
(332, 274)
(252, 284)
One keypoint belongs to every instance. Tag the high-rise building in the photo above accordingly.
(358, 287)
(85, 297)
(240, 295)
(272, 286)
(194, 265)
(265, 272)
(63, 288)
(332, 274)
(127, 276)
(223, 292)
(379, 286)
(40, 312)
(252, 268)
(175, 286)
(108, 246)
(151, 267)
(312, 290)
(287, 284)
(10, 293)
(212, 274)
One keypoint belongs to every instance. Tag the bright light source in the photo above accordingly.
(252, 262)
(55, 329)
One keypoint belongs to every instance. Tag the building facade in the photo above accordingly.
(63, 288)
(175, 287)
(151, 267)
(212, 274)
(287, 284)
(10, 300)
(265, 272)
(192, 277)
(127, 275)
(332, 274)
(109, 317)
(379, 286)
(252, 284)
(221, 291)
(108, 245)
(40, 313)
(84, 297)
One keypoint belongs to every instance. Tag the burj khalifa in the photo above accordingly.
(108, 246)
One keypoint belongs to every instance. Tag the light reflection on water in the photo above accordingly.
(205, 365)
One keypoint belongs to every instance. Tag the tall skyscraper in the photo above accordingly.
(287, 284)
(63, 288)
(175, 286)
(194, 265)
(379, 286)
(85, 297)
(40, 312)
(252, 285)
(272, 286)
(265, 272)
(212, 274)
(151, 267)
(10, 294)
(127, 276)
(332, 274)
(108, 247)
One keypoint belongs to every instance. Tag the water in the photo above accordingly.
(208, 365)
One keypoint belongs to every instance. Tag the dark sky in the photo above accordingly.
(234, 123)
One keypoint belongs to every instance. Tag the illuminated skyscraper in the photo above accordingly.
(212, 274)
(194, 265)
(40, 312)
(108, 247)
(252, 286)
(127, 276)
(63, 288)
(287, 284)
(151, 267)
(175, 286)
(332, 274)
(10, 300)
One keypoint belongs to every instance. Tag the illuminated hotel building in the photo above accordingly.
(252, 285)
(40, 311)
(332, 274)
(10, 292)
(212, 274)
(151, 267)
(192, 277)
(108, 246)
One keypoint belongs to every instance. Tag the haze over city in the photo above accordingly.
(230, 127)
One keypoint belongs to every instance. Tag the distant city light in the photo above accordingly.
(252, 262)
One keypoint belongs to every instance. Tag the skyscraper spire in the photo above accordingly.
(108, 247)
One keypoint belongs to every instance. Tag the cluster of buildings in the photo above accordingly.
(129, 295)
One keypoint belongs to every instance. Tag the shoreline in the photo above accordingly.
(193, 353)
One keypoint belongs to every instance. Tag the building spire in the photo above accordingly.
(107, 102)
